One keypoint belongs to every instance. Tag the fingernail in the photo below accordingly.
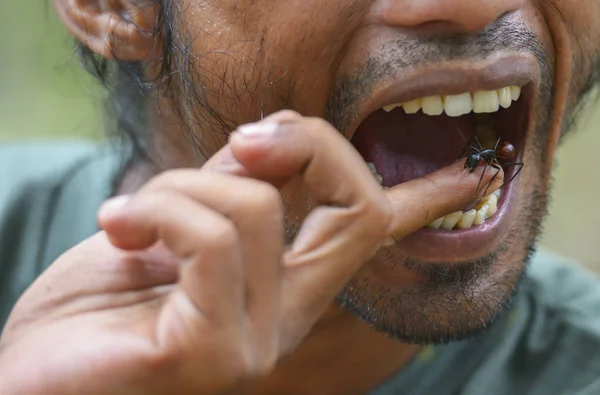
(261, 129)
(113, 206)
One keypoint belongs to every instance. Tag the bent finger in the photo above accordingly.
(211, 274)
(256, 210)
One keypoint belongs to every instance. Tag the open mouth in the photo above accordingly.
(408, 140)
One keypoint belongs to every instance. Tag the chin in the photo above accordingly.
(429, 301)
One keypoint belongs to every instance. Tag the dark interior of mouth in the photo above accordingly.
(407, 146)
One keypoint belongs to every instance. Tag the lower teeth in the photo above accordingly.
(484, 209)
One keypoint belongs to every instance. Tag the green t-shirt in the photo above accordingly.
(549, 343)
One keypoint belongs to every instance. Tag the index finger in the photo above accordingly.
(418, 202)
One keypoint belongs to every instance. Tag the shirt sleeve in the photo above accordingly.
(31, 176)
(555, 345)
(592, 389)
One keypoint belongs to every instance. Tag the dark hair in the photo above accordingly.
(128, 88)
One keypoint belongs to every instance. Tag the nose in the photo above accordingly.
(457, 16)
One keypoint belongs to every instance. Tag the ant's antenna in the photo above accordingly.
(462, 136)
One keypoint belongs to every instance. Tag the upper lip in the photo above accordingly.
(448, 79)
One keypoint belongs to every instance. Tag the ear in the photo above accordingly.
(116, 29)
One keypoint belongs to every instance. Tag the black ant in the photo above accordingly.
(502, 151)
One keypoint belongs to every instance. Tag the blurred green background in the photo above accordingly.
(45, 94)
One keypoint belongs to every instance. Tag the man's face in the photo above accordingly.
(345, 60)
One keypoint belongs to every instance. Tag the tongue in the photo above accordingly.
(404, 147)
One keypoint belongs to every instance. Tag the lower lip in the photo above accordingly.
(433, 245)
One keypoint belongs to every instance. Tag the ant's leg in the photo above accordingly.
(478, 143)
(461, 135)
(481, 178)
(498, 168)
(496, 146)
(520, 164)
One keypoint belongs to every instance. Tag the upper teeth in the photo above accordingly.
(464, 103)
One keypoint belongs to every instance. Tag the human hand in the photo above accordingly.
(190, 288)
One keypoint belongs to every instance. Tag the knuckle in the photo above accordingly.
(269, 358)
(259, 361)
(224, 235)
(164, 178)
(231, 356)
(235, 356)
(161, 364)
(378, 215)
(168, 179)
(320, 124)
(381, 217)
(265, 366)
(152, 199)
(288, 115)
(263, 198)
